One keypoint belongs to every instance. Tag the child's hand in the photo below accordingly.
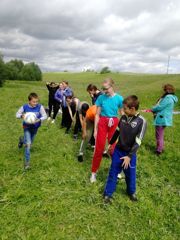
(109, 148)
(22, 116)
(126, 162)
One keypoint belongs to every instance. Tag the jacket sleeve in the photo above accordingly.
(20, 112)
(163, 103)
(139, 137)
(57, 97)
(43, 114)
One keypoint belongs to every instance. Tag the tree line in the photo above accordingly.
(17, 70)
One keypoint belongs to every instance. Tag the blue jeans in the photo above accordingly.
(116, 168)
(29, 135)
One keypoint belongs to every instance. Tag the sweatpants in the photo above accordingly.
(159, 138)
(116, 168)
(106, 129)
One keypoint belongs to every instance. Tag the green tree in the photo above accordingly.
(13, 69)
(2, 70)
(31, 72)
(105, 70)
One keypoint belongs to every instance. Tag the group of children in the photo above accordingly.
(99, 123)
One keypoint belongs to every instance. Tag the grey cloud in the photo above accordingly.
(69, 34)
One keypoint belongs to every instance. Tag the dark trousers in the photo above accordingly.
(66, 117)
(77, 127)
(116, 168)
(53, 105)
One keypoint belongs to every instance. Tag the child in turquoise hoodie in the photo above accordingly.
(163, 115)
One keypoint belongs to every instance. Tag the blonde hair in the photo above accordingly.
(109, 81)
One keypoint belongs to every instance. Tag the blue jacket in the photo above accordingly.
(164, 110)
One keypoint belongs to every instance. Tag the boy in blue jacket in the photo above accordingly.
(30, 130)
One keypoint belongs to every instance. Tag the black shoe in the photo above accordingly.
(107, 200)
(21, 142)
(158, 153)
(80, 158)
(75, 137)
(133, 197)
(105, 154)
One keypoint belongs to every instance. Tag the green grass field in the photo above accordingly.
(54, 200)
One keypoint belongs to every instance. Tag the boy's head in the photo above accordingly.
(84, 109)
(91, 89)
(131, 105)
(33, 99)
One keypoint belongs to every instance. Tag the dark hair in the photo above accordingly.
(32, 95)
(131, 101)
(91, 87)
(84, 109)
(168, 88)
(69, 96)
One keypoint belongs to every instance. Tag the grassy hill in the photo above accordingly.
(55, 200)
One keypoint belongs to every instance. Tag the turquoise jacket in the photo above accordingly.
(163, 110)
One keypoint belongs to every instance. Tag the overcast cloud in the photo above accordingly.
(126, 35)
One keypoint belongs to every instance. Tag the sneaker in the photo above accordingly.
(120, 176)
(49, 119)
(75, 137)
(80, 157)
(158, 153)
(105, 154)
(53, 121)
(107, 200)
(27, 166)
(93, 178)
(21, 142)
(133, 197)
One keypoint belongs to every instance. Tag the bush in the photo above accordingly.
(31, 72)
(105, 70)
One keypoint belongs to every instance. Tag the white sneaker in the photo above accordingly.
(53, 121)
(49, 118)
(120, 176)
(93, 178)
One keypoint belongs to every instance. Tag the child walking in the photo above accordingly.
(30, 130)
(130, 132)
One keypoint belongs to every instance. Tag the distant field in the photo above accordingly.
(55, 199)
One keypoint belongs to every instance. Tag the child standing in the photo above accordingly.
(130, 130)
(52, 88)
(30, 130)
(163, 115)
(105, 123)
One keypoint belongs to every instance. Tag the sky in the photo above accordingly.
(125, 35)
